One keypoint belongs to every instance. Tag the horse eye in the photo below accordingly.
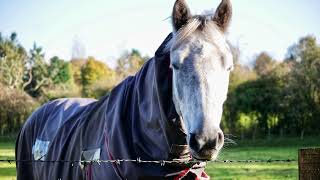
(175, 66)
(230, 68)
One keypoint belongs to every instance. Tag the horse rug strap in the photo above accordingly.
(196, 172)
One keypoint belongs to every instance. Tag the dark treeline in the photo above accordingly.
(276, 97)
(279, 98)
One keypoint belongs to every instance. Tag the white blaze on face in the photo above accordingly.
(214, 95)
(214, 81)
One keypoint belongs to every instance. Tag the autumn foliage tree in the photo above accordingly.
(92, 72)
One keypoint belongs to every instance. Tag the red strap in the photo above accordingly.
(185, 172)
(204, 176)
(182, 174)
(114, 165)
(89, 172)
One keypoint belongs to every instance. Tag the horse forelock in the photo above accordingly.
(199, 23)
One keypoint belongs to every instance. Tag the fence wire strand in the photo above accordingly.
(138, 160)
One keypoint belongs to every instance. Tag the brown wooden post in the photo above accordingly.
(309, 164)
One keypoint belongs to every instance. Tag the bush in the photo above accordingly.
(101, 87)
(15, 107)
(53, 92)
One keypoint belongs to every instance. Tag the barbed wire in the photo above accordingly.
(138, 160)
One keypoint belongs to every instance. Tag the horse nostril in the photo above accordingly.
(220, 139)
(194, 144)
(201, 144)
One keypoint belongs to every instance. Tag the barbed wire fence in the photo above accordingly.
(228, 142)
(138, 160)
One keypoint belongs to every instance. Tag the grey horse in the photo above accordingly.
(171, 109)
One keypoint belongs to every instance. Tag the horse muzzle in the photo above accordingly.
(206, 147)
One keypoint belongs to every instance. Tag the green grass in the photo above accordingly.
(7, 171)
(286, 148)
(253, 171)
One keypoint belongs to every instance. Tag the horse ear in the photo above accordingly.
(223, 15)
(180, 15)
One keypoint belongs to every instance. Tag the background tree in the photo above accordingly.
(238, 76)
(129, 63)
(60, 70)
(93, 71)
(15, 104)
(304, 85)
(264, 64)
(77, 65)
(41, 76)
(15, 107)
(13, 61)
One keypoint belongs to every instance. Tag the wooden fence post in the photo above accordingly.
(309, 164)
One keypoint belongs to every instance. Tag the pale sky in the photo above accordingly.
(109, 28)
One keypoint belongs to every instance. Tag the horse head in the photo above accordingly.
(201, 62)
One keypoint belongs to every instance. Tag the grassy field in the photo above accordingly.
(7, 171)
(259, 150)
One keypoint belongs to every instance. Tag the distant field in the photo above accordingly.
(264, 150)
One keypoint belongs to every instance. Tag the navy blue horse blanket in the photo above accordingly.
(136, 120)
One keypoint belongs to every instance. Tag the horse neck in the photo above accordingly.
(152, 103)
